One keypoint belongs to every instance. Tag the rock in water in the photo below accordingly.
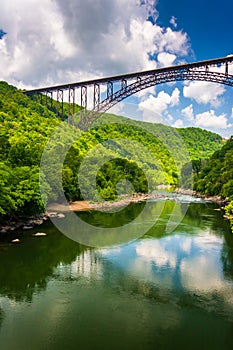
(40, 234)
(56, 215)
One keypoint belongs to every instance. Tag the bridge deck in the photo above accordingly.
(129, 76)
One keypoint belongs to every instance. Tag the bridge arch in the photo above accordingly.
(117, 88)
(153, 80)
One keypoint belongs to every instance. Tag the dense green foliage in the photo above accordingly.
(216, 176)
(199, 143)
(154, 154)
(25, 126)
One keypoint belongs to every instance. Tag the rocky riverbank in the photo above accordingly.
(59, 210)
(214, 199)
(9, 226)
(22, 223)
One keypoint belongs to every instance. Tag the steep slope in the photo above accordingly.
(216, 177)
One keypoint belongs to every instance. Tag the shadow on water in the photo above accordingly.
(1, 316)
(227, 253)
(117, 218)
(26, 267)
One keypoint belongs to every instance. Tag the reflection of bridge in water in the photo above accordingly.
(106, 92)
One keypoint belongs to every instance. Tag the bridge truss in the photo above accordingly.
(106, 92)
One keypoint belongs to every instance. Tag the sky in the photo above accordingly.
(51, 42)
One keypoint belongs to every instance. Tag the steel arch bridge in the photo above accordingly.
(106, 92)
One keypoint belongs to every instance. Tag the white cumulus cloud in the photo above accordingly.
(166, 59)
(173, 21)
(175, 97)
(61, 42)
(158, 105)
(179, 123)
(204, 92)
(210, 120)
(174, 42)
(187, 112)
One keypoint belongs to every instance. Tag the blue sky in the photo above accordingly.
(70, 41)
(208, 24)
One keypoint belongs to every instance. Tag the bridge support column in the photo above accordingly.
(83, 103)
(49, 98)
(60, 100)
(71, 101)
(109, 90)
(96, 98)
(123, 84)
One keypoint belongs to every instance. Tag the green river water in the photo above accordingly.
(164, 290)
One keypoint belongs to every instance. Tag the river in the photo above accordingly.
(168, 289)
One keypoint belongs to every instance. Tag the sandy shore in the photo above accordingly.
(75, 206)
(85, 205)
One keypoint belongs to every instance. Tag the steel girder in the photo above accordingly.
(129, 84)
(155, 79)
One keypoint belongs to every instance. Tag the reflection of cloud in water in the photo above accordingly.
(155, 251)
(186, 245)
(201, 273)
(207, 241)
(192, 261)
(144, 271)
(174, 264)
(195, 260)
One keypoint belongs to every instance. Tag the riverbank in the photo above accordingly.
(59, 210)
(9, 226)
(214, 199)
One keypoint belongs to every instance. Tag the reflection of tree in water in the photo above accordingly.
(192, 215)
(112, 219)
(229, 338)
(1, 316)
(25, 269)
(221, 227)
(227, 253)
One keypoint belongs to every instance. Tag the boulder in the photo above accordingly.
(55, 215)
(40, 234)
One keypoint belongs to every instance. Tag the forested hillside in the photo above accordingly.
(216, 176)
(26, 125)
(200, 143)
